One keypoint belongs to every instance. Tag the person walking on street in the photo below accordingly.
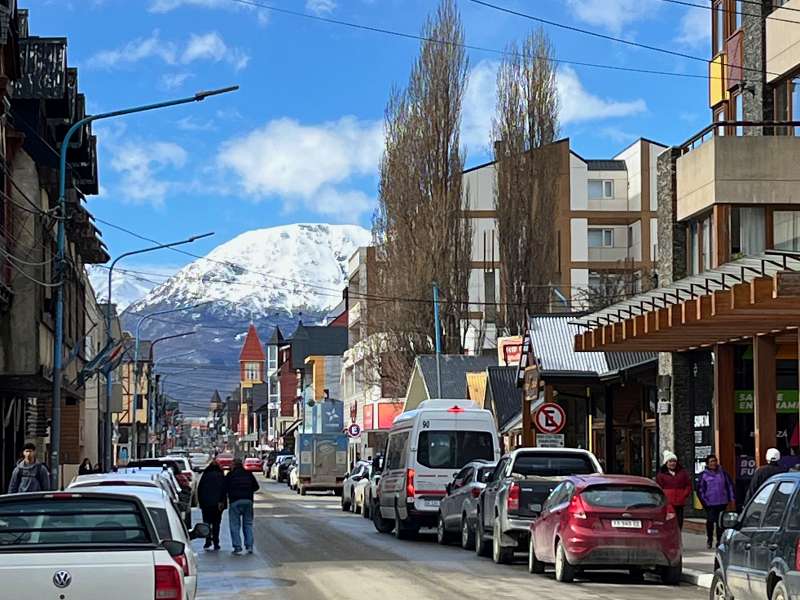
(212, 501)
(85, 468)
(715, 490)
(764, 472)
(29, 475)
(240, 485)
(674, 480)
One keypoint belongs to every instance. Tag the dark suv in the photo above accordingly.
(758, 557)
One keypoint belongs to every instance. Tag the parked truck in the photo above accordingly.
(322, 460)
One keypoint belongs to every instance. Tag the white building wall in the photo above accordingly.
(620, 198)
(653, 239)
(632, 156)
(579, 242)
(578, 187)
(478, 187)
(580, 284)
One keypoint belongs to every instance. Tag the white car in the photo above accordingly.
(137, 479)
(199, 461)
(168, 525)
(360, 490)
(188, 472)
(273, 473)
(359, 473)
(294, 478)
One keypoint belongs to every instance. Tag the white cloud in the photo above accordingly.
(141, 166)
(173, 81)
(577, 104)
(320, 7)
(192, 124)
(294, 161)
(479, 106)
(618, 135)
(165, 6)
(612, 15)
(695, 28)
(211, 47)
(206, 47)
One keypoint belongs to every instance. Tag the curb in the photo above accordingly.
(698, 578)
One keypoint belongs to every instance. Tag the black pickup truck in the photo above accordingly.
(514, 495)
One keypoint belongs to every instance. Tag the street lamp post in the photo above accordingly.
(60, 262)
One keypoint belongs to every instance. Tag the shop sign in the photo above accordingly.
(532, 384)
(745, 467)
(509, 350)
(785, 402)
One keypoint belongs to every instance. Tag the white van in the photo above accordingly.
(427, 446)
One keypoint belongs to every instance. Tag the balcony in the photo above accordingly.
(738, 169)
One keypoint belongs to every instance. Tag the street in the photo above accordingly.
(306, 548)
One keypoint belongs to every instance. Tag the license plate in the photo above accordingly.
(626, 524)
(535, 507)
(431, 503)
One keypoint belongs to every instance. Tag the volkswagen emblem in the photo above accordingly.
(62, 579)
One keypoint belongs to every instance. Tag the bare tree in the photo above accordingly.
(524, 127)
(615, 284)
(418, 225)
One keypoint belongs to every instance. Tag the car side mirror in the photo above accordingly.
(448, 487)
(173, 547)
(729, 520)
(201, 530)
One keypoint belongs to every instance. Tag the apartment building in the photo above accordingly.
(606, 233)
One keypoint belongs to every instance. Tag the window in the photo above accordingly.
(787, 104)
(497, 473)
(161, 521)
(737, 15)
(786, 229)
(748, 230)
(272, 354)
(707, 245)
(601, 238)
(546, 464)
(719, 116)
(490, 311)
(777, 505)
(738, 111)
(600, 189)
(462, 477)
(625, 497)
(484, 474)
(252, 372)
(395, 450)
(718, 29)
(793, 523)
(452, 449)
(755, 510)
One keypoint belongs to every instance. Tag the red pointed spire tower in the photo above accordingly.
(252, 361)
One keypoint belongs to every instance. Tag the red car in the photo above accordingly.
(253, 464)
(606, 522)
(225, 460)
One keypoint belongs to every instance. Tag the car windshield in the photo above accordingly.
(453, 449)
(553, 464)
(626, 497)
(71, 521)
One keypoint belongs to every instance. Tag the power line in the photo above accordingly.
(724, 10)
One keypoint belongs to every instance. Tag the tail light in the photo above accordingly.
(182, 481)
(183, 563)
(475, 492)
(168, 584)
(512, 503)
(410, 490)
(577, 508)
(670, 512)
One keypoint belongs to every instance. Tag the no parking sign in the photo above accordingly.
(353, 430)
(550, 418)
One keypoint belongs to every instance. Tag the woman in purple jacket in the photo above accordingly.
(715, 490)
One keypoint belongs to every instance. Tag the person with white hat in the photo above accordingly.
(675, 482)
(764, 472)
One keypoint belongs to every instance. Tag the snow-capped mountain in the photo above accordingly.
(271, 277)
(126, 288)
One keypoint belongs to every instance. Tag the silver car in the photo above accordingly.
(458, 509)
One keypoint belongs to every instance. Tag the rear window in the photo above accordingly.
(626, 497)
(453, 449)
(71, 521)
(553, 464)
(160, 519)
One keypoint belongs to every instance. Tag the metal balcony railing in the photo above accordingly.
(740, 128)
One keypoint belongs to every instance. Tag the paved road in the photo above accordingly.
(308, 549)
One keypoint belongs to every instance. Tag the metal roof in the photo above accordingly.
(742, 270)
(553, 343)
(454, 369)
(606, 165)
(505, 398)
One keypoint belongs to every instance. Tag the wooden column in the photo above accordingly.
(527, 425)
(724, 404)
(764, 405)
(610, 454)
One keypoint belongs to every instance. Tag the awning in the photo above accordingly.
(747, 297)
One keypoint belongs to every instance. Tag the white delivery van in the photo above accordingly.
(427, 446)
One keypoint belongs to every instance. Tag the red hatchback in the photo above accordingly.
(606, 522)
(253, 464)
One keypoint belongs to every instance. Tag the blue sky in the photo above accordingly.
(301, 140)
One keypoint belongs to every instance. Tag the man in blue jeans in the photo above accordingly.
(240, 485)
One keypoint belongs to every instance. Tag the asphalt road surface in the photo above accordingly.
(306, 548)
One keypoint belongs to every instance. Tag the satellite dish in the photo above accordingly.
(311, 402)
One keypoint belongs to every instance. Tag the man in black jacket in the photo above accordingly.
(211, 498)
(764, 472)
(240, 485)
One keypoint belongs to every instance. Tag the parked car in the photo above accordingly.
(426, 447)
(140, 479)
(199, 461)
(514, 495)
(225, 460)
(606, 522)
(294, 478)
(253, 465)
(270, 459)
(273, 474)
(169, 526)
(49, 538)
(188, 473)
(458, 509)
(360, 492)
(183, 493)
(371, 489)
(759, 554)
(282, 471)
(360, 471)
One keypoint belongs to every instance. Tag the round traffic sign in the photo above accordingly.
(550, 418)
(353, 430)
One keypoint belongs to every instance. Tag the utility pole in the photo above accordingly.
(438, 339)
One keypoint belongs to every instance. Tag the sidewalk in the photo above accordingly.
(698, 562)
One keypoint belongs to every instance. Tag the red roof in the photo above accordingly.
(252, 351)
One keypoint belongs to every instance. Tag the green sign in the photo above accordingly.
(786, 401)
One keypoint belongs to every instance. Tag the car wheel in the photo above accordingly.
(381, 525)
(443, 536)
(636, 574)
(500, 554)
(402, 529)
(718, 590)
(365, 510)
(467, 534)
(353, 503)
(345, 504)
(535, 566)
(565, 572)
(482, 545)
(302, 491)
(672, 575)
(779, 592)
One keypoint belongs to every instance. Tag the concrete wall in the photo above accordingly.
(783, 40)
(578, 175)
(632, 155)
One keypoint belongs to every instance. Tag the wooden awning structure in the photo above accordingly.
(742, 299)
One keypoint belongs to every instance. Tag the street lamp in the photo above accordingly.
(60, 261)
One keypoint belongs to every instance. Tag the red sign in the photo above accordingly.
(368, 422)
(550, 418)
(387, 411)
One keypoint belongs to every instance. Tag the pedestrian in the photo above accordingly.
(97, 468)
(715, 491)
(85, 468)
(674, 480)
(212, 501)
(240, 485)
(29, 475)
(764, 472)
